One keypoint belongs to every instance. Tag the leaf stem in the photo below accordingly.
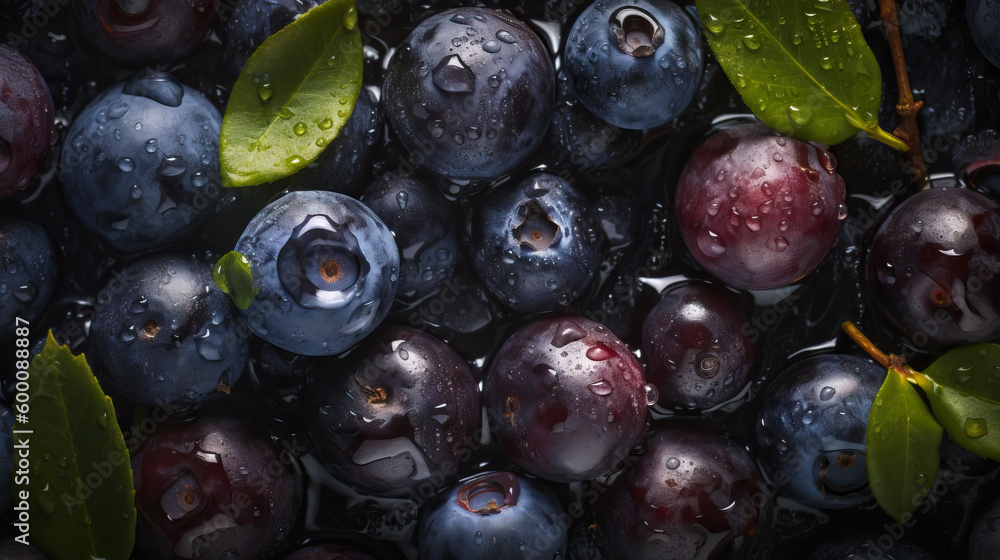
(907, 107)
(892, 361)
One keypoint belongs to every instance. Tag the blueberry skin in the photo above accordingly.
(526, 273)
(253, 21)
(27, 121)
(27, 272)
(647, 88)
(813, 428)
(400, 416)
(325, 268)
(344, 164)
(163, 332)
(984, 23)
(422, 222)
(6, 459)
(984, 539)
(569, 399)
(494, 516)
(470, 93)
(140, 166)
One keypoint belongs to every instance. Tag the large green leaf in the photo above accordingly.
(902, 447)
(963, 387)
(80, 488)
(803, 67)
(293, 96)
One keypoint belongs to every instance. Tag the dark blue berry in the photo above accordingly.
(27, 272)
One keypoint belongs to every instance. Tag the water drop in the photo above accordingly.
(751, 41)
(599, 352)
(401, 198)
(800, 115)
(479, 534)
(265, 92)
(453, 75)
(102, 419)
(25, 293)
(921, 479)
(715, 25)
(171, 166)
(780, 244)
(566, 332)
(975, 427)
(126, 164)
(826, 63)
(827, 393)
(117, 110)
(601, 387)
(652, 394)
(491, 47)
(673, 463)
(350, 19)
(506, 36)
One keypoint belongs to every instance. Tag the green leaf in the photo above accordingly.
(232, 275)
(902, 448)
(293, 96)
(963, 387)
(803, 68)
(81, 496)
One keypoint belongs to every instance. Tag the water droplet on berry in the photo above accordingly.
(601, 387)
(673, 463)
(827, 393)
(491, 47)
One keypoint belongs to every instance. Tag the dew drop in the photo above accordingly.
(506, 36)
(780, 244)
(827, 393)
(652, 394)
(599, 352)
(479, 534)
(126, 164)
(601, 387)
(975, 427)
(800, 115)
(299, 129)
(264, 92)
(151, 146)
(751, 41)
(401, 198)
(491, 47)
(673, 463)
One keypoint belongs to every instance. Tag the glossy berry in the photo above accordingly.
(27, 273)
(567, 397)
(688, 496)
(758, 210)
(933, 268)
(423, 223)
(325, 269)
(343, 165)
(699, 346)
(164, 333)
(984, 22)
(400, 417)
(138, 32)
(536, 244)
(27, 121)
(7, 458)
(977, 162)
(253, 21)
(210, 488)
(494, 516)
(470, 93)
(140, 168)
(635, 63)
(813, 426)
(871, 544)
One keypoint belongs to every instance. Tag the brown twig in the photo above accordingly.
(893, 361)
(907, 107)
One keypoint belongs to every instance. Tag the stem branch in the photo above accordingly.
(907, 107)
(891, 361)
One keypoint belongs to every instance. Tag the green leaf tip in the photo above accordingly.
(233, 276)
(803, 68)
(901, 449)
(963, 388)
(293, 96)
(80, 488)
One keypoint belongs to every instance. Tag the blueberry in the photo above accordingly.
(137, 32)
(164, 332)
(325, 269)
(470, 93)
(399, 416)
(27, 121)
(933, 268)
(813, 426)
(140, 167)
(422, 222)
(687, 496)
(536, 244)
(700, 355)
(494, 516)
(984, 19)
(568, 398)
(977, 162)
(212, 488)
(344, 164)
(27, 272)
(6, 459)
(636, 64)
(253, 21)
(984, 540)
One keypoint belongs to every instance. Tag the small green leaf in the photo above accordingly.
(232, 275)
(803, 68)
(963, 387)
(293, 96)
(80, 482)
(902, 448)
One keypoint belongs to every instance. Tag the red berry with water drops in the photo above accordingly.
(567, 398)
(758, 210)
